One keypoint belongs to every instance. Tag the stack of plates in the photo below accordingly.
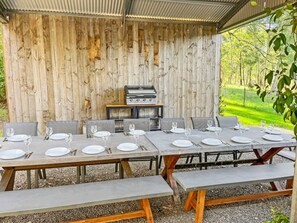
(102, 134)
(182, 143)
(241, 139)
(178, 130)
(212, 141)
(17, 138)
(57, 151)
(274, 138)
(137, 132)
(93, 149)
(58, 136)
(11, 154)
(213, 129)
(127, 147)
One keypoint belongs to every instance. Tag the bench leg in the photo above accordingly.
(200, 206)
(145, 204)
(7, 181)
(188, 204)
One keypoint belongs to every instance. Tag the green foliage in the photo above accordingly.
(280, 81)
(254, 110)
(278, 217)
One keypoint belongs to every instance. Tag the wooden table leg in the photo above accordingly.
(127, 168)
(7, 181)
(263, 158)
(170, 162)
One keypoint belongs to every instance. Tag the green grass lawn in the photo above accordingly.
(254, 110)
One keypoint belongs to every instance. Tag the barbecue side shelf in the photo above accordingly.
(121, 112)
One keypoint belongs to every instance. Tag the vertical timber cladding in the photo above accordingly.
(63, 68)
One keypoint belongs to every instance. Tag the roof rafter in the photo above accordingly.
(204, 2)
(232, 12)
(3, 17)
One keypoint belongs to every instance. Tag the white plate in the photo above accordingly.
(93, 149)
(241, 139)
(58, 136)
(212, 141)
(213, 129)
(102, 134)
(126, 147)
(273, 138)
(178, 130)
(17, 138)
(137, 132)
(57, 151)
(182, 143)
(11, 154)
(273, 131)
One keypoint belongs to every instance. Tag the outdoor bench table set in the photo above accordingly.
(58, 149)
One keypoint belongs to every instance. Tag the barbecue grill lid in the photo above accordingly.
(144, 89)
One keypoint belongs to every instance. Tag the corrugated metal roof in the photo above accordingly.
(248, 12)
(223, 13)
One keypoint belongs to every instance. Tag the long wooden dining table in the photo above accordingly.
(38, 159)
(157, 143)
(263, 149)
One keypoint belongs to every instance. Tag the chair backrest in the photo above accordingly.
(28, 128)
(227, 121)
(141, 124)
(102, 125)
(64, 126)
(166, 123)
(200, 123)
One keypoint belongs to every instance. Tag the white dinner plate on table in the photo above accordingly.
(273, 131)
(57, 151)
(274, 138)
(212, 142)
(241, 139)
(93, 149)
(127, 147)
(102, 134)
(11, 154)
(17, 138)
(182, 143)
(137, 132)
(213, 129)
(58, 136)
(178, 130)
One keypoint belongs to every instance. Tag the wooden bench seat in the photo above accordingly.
(198, 182)
(88, 194)
(290, 155)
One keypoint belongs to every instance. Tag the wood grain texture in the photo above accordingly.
(64, 68)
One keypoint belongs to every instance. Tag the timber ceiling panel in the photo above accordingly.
(221, 13)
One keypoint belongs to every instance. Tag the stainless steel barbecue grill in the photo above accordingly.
(140, 95)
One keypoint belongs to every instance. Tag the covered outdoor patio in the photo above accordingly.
(67, 63)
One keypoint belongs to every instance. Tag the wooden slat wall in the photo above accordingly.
(63, 68)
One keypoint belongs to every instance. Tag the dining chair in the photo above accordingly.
(223, 122)
(200, 123)
(102, 125)
(166, 123)
(64, 126)
(27, 128)
(141, 124)
(227, 121)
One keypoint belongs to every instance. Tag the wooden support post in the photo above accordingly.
(29, 179)
(127, 168)
(200, 206)
(145, 204)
